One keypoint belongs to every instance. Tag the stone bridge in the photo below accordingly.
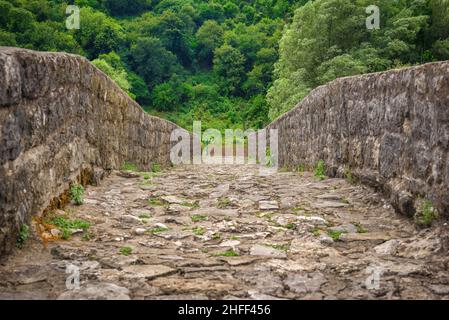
(222, 231)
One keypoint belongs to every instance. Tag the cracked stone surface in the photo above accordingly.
(222, 232)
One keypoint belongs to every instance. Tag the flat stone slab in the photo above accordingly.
(348, 228)
(259, 250)
(230, 243)
(371, 236)
(330, 204)
(101, 291)
(215, 212)
(329, 196)
(175, 200)
(311, 219)
(268, 205)
(387, 248)
(239, 260)
(146, 271)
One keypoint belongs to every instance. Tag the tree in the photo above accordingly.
(174, 33)
(45, 36)
(229, 66)
(441, 49)
(139, 88)
(7, 39)
(230, 10)
(20, 20)
(152, 61)
(210, 11)
(126, 7)
(261, 75)
(5, 8)
(440, 19)
(209, 37)
(169, 96)
(340, 66)
(99, 33)
(118, 75)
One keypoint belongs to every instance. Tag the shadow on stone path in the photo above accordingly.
(223, 232)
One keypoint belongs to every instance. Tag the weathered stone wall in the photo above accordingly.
(389, 129)
(60, 116)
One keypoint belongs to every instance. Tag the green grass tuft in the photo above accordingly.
(223, 202)
(144, 216)
(426, 214)
(229, 253)
(360, 228)
(335, 235)
(320, 170)
(349, 177)
(66, 225)
(128, 166)
(155, 202)
(199, 231)
(155, 168)
(158, 230)
(198, 217)
(24, 233)
(126, 251)
(77, 194)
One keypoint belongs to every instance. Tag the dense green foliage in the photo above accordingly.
(328, 39)
(230, 63)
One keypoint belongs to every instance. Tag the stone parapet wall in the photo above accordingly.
(61, 116)
(389, 130)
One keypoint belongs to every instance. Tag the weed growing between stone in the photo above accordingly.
(23, 235)
(68, 226)
(126, 251)
(427, 213)
(128, 166)
(229, 253)
(320, 170)
(77, 194)
(335, 235)
(155, 167)
(198, 217)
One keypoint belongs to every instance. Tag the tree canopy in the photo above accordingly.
(230, 63)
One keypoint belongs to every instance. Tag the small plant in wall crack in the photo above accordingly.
(128, 166)
(320, 170)
(24, 233)
(155, 168)
(426, 214)
(77, 194)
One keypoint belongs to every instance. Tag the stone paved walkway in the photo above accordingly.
(223, 232)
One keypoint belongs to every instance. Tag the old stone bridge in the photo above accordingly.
(374, 228)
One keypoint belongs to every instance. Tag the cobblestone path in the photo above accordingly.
(225, 232)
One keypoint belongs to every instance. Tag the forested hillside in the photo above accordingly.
(329, 39)
(230, 63)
